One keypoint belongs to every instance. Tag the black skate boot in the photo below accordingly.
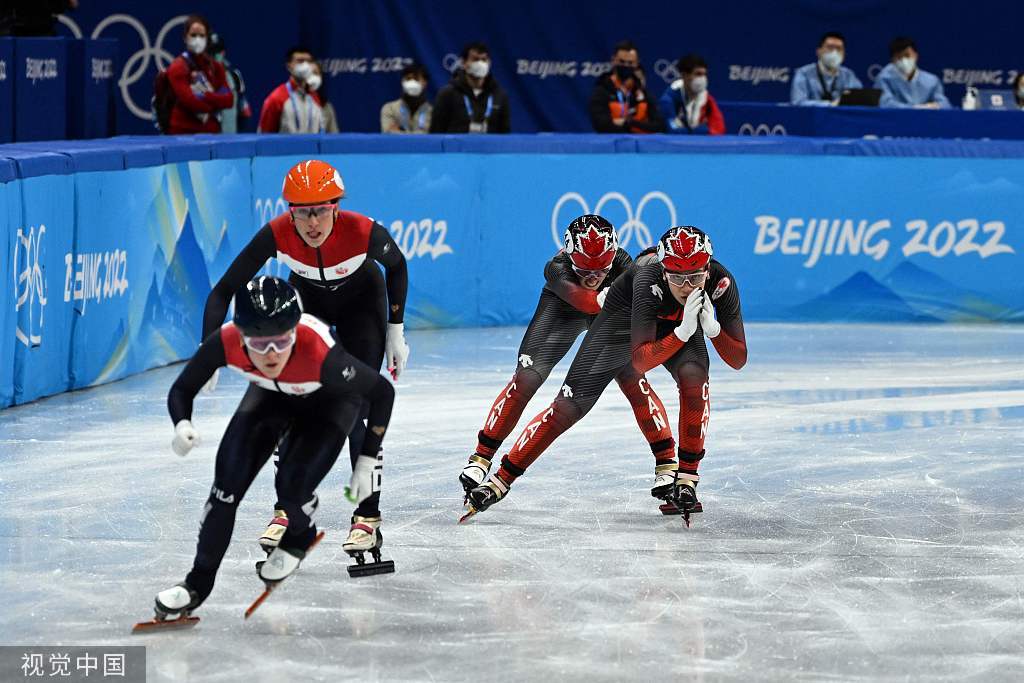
(484, 496)
(664, 480)
(684, 496)
(474, 473)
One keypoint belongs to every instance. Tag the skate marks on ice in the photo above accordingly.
(861, 522)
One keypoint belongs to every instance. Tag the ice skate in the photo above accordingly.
(275, 531)
(172, 610)
(684, 495)
(474, 473)
(484, 496)
(365, 537)
(664, 480)
(281, 564)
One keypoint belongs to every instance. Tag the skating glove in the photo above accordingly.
(707, 319)
(396, 351)
(185, 438)
(601, 296)
(691, 313)
(211, 383)
(366, 476)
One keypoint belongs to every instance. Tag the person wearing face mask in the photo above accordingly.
(472, 102)
(1018, 90)
(620, 102)
(235, 118)
(198, 83)
(822, 82)
(410, 113)
(903, 85)
(315, 85)
(293, 107)
(687, 105)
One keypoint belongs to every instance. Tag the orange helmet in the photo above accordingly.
(312, 182)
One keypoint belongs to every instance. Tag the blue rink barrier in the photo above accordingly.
(113, 245)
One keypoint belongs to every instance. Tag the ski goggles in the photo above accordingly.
(278, 343)
(587, 274)
(695, 280)
(308, 213)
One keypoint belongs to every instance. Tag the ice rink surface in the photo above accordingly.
(863, 505)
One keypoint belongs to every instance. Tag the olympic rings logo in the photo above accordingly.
(874, 70)
(451, 62)
(138, 64)
(762, 129)
(666, 68)
(29, 285)
(633, 226)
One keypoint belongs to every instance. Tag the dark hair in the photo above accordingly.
(1017, 80)
(216, 45)
(687, 64)
(624, 46)
(476, 46)
(898, 45)
(295, 49)
(415, 69)
(832, 34)
(196, 19)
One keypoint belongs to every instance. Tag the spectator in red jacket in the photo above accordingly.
(687, 105)
(293, 106)
(199, 83)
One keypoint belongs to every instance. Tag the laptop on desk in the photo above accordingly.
(996, 99)
(860, 97)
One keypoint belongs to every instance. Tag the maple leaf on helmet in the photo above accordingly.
(684, 248)
(591, 242)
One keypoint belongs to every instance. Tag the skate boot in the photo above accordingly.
(664, 480)
(684, 495)
(474, 473)
(172, 610)
(484, 496)
(279, 565)
(365, 537)
(275, 531)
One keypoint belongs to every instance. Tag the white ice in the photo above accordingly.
(863, 507)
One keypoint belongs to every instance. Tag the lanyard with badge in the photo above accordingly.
(481, 127)
(622, 104)
(827, 93)
(301, 126)
(421, 119)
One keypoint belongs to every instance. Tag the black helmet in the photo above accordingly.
(266, 306)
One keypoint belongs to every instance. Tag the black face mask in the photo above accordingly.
(624, 72)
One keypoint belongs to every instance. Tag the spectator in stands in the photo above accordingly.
(620, 103)
(291, 107)
(904, 85)
(1018, 89)
(199, 84)
(234, 119)
(315, 84)
(411, 112)
(472, 102)
(822, 82)
(686, 105)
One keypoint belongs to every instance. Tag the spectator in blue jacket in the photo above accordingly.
(822, 82)
(686, 105)
(904, 85)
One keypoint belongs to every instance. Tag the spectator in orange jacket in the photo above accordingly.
(620, 102)
(687, 105)
(293, 106)
(199, 83)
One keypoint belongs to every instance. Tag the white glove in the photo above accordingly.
(366, 476)
(707, 319)
(185, 438)
(211, 383)
(396, 351)
(691, 312)
(601, 296)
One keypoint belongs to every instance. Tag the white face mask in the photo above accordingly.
(479, 69)
(906, 65)
(699, 84)
(832, 59)
(313, 81)
(412, 87)
(302, 70)
(196, 44)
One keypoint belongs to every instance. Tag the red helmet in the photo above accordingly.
(684, 248)
(591, 242)
(312, 182)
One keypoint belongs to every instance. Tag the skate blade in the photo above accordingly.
(472, 511)
(670, 509)
(270, 587)
(179, 624)
(371, 568)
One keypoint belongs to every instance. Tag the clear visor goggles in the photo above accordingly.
(308, 213)
(695, 280)
(588, 274)
(278, 343)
